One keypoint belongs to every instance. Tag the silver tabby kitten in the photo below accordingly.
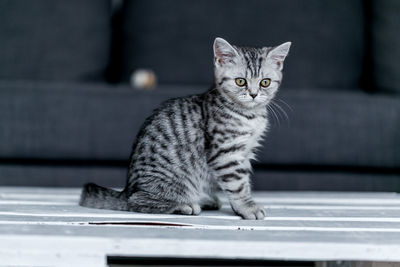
(191, 146)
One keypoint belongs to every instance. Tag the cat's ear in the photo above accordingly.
(223, 52)
(278, 54)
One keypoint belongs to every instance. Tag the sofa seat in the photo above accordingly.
(92, 126)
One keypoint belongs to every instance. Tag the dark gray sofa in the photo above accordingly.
(69, 116)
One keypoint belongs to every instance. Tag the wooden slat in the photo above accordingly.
(343, 226)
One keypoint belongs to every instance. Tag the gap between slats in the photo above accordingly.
(154, 224)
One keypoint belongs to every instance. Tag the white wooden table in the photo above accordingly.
(46, 227)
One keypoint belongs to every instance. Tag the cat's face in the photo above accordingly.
(248, 76)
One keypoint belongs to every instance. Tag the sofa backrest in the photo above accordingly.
(385, 22)
(54, 39)
(174, 37)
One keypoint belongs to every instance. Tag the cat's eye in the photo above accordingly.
(265, 82)
(240, 81)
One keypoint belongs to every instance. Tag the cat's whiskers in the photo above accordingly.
(279, 109)
(283, 102)
(214, 89)
(273, 114)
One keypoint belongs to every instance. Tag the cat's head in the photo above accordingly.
(248, 76)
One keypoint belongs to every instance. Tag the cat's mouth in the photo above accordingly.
(247, 99)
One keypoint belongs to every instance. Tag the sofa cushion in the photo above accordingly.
(49, 120)
(54, 39)
(99, 122)
(263, 179)
(174, 37)
(386, 44)
(331, 127)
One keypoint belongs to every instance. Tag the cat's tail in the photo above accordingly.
(94, 196)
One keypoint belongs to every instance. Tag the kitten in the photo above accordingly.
(191, 146)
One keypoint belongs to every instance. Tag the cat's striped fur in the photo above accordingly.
(192, 146)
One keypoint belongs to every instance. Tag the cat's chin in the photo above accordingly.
(252, 103)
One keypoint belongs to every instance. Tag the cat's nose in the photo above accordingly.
(253, 95)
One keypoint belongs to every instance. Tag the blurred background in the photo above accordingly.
(69, 115)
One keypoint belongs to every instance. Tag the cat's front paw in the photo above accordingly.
(252, 212)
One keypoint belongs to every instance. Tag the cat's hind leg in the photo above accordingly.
(148, 203)
(188, 209)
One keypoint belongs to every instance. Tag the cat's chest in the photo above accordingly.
(246, 132)
(255, 127)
